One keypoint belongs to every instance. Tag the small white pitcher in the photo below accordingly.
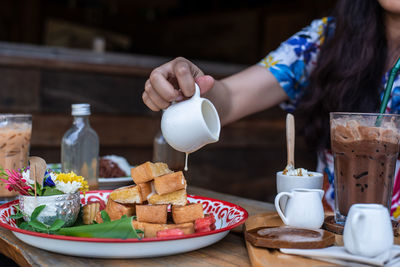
(368, 230)
(303, 209)
(191, 124)
(286, 183)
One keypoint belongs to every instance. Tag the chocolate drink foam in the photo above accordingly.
(365, 160)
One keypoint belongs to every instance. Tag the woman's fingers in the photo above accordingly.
(155, 98)
(148, 102)
(173, 81)
(184, 76)
(159, 83)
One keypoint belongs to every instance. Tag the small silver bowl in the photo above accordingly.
(65, 207)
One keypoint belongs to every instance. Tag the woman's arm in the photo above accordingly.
(247, 92)
(236, 96)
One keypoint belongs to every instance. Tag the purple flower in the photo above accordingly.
(47, 180)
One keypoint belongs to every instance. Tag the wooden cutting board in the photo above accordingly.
(260, 257)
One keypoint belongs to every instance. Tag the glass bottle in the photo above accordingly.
(80, 147)
(163, 152)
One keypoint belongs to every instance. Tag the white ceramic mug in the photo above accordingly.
(190, 124)
(368, 230)
(286, 183)
(303, 209)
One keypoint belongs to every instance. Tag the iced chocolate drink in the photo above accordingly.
(15, 135)
(365, 154)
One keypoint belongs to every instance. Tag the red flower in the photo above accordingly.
(14, 181)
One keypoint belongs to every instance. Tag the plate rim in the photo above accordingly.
(115, 179)
(129, 240)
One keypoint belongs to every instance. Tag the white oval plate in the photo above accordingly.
(227, 216)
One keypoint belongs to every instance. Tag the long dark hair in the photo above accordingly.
(349, 70)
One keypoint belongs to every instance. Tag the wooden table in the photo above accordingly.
(231, 251)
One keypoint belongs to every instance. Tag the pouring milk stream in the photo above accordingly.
(191, 124)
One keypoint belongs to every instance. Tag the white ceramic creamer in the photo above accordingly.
(303, 209)
(191, 124)
(368, 230)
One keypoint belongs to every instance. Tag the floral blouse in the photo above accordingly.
(293, 62)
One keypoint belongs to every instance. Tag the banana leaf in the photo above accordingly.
(121, 228)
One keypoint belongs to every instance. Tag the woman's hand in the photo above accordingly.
(234, 97)
(174, 81)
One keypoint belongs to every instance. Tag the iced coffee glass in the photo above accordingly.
(365, 148)
(15, 136)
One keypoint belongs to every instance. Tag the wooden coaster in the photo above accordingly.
(331, 226)
(289, 237)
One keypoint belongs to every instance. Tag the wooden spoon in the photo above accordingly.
(290, 141)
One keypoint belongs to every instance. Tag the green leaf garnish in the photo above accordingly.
(37, 211)
(17, 216)
(57, 225)
(39, 190)
(51, 191)
(104, 216)
(23, 226)
(38, 225)
(3, 174)
(121, 228)
(34, 224)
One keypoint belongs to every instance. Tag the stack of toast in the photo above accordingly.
(158, 200)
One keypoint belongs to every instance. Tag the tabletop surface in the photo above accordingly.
(231, 251)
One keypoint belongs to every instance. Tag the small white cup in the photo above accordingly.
(286, 183)
(368, 230)
(191, 124)
(304, 208)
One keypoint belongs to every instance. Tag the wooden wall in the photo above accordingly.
(236, 31)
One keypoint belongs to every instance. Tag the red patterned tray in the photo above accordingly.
(227, 215)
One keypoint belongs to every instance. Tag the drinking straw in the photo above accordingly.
(388, 90)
